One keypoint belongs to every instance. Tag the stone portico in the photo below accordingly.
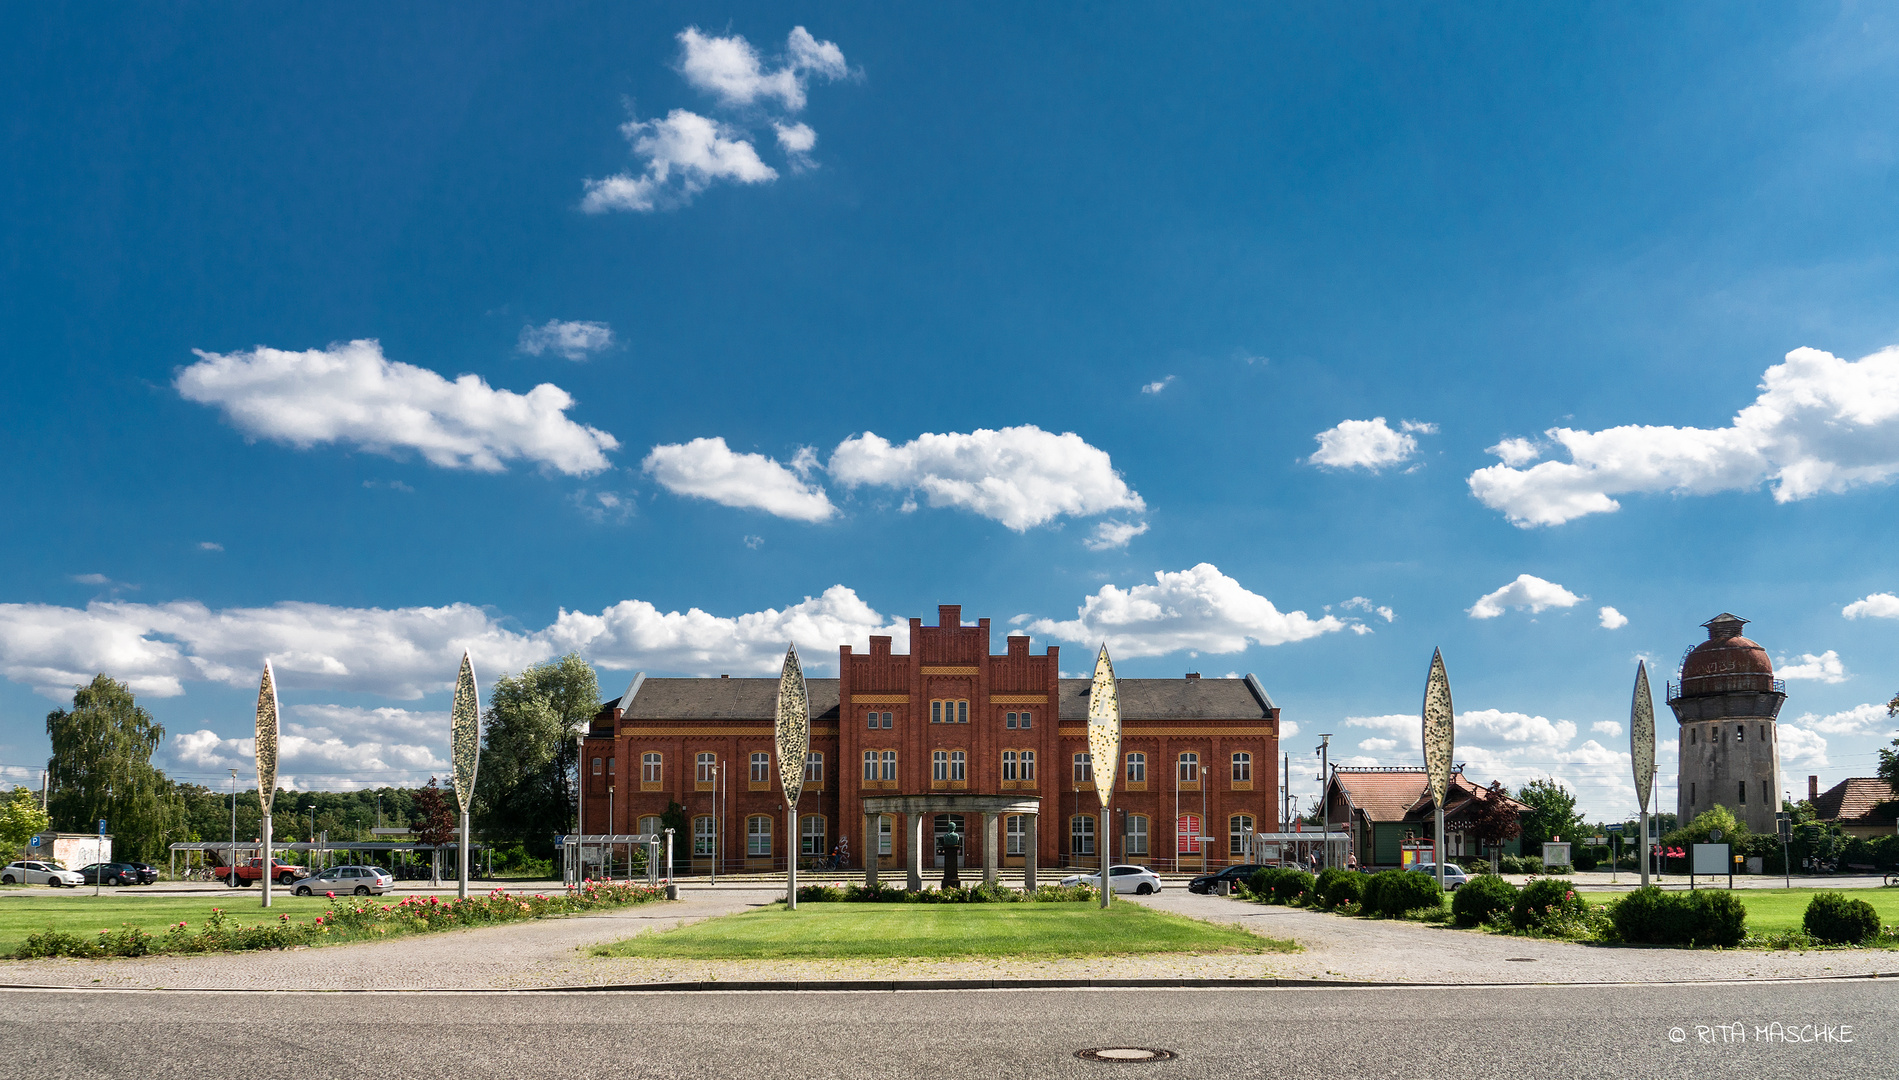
(917, 809)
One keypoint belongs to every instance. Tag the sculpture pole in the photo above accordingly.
(793, 732)
(1440, 739)
(464, 733)
(1104, 748)
(266, 753)
(1642, 752)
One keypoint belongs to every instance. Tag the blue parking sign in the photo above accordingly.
(101, 826)
(36, 842)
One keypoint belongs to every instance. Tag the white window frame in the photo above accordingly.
(652, 768)
(704, 832)
(1016, 828)
(1028, 766)
(1136, 839)
(939, 766)
(1081, 834)
(1084, 768)
(870, 766)
(761, 768)
(1008, 766)
(706, 768)
(757, 836)
(1189, 767)
(890, 766)
(814, 768)
(806, 836)
(1137, 768)
(1237, 825)
(959, 766)
(1242, 768)
(886, 831)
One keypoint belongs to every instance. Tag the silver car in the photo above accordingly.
(355, 880)
(40, 872)
(1129, 879)
(1454, 875)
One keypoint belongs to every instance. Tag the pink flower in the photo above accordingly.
(319, 920)
(331, 895)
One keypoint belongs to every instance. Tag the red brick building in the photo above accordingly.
(947, 717)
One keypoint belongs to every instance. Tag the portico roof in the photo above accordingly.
(951, 802)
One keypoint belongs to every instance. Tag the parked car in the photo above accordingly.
(112, 873)
(1128, 879)
(1453, 874)
(147, 873)
(250, 871)
(1207, 883)
(39, 872)
(356, 880)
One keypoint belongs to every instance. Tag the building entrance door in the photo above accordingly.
(947, 823)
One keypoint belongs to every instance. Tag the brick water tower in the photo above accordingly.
(1726, 700)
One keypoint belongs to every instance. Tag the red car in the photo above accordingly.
(251, 871)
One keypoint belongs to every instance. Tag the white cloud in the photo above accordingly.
(754, 542)
(1801, 747)
(1607, 727)
(92, 579)
(1858, 720)
(1158, 385)
(1515, 748)
(1527, 591)
(208, 545)
(796, 140)
(1114, 534)
(1820, 424)
(1611, 619)
(708, 469)
(1876, 606)
(331, 747)
(1377, 746)
(389, 485)
(1360, 603)
(1516, 451)
(573, 340)
(684, 153)
(731, 70)
(402, 653)
(351, 394)
(1368, 444)
(1199, 609)
(1826, 667)
(1019, 476)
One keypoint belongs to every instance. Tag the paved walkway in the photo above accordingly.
(551, 953)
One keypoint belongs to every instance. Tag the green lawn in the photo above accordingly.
(931, 931)
(77, 911)
(1775, 910)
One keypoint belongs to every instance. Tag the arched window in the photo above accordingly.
(939, 766)
(705, 770)
(1008, 766)
(870, 766)
(1028, 766)
(609, 766)
(959, 770)
(1238, 827)
(758, 837)
(598, 766)
(890, 766)
(811, 835)
(651, 825)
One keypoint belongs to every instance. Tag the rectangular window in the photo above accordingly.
(958, 766)
(1028, 766)
(1137, 768)
(702, 837)
(1084, 769)
(761, 768)
(598, 765)
(652, 826)
(1025, 720)
(1009, 722)
(871, 723)
(811, 835)
(870, 766)
(887, 721)
(1081, 834)
(758, 837)
(886, 826)
(814, 769)
(1008, 766)
(939, 765)
(1016, 827)
(707, 768)
(609, 766)
(962, 712)
(936, 712)
(649, 768)
(1190, 768)
(1137, 834)
(890, 765)
(1740, 733)
(1743, 787)
(1238, 827)
(1691, 794)
(1766, 795)
(1242, 768)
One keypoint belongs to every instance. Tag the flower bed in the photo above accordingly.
(352, 918)
(882, 893)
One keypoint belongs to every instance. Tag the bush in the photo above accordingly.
(1371, 892)
(1542, 902)
(1482, 897)
(1405, 890)
(1336, 887)
(1833, 918)
(1290, 885)
(1261, 883)
(1707, 917)
(1584, 862)
(1520, 864)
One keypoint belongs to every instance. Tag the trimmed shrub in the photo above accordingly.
(1480, 898)
(1289, 884)
(1706, 917)
(1833, 918)
(1405, 890)
(1544, 901)
(1261, 883)
(1339, 887)
(1585, 862)
(1371, 892)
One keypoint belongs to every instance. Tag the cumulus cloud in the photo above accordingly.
(330, 747)
(352, 394)
(1858, 720)
(1819, 425)
(1527, 591)
(403, 653)
(1360, 603)
(1611, 619)
(1826, 667)
(1515, 748)
(573, 340)
(1019, 476)
(1368, 444)
(732, 71)
(796, 140)
(1200, 609)
(209, 545)
(1606, 727)
(1114, 534)
(708, 469)
(1801, 747)
(1158, 385)
(685, 153)
(92, 579)
(1876, 606)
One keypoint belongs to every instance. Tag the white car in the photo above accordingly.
(39, 872)
(355, 880)
(1453, 874)
(1129, 879)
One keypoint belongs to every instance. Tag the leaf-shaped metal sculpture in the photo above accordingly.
(1642, 736)
(1104, 726)
(464, 733)
(793, 727)
(1440, 737)
(267, 740)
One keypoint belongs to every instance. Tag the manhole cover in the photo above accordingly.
(1124, 1053)
(1519, 959)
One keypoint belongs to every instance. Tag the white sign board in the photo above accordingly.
(1556, 854)
(1712, 859)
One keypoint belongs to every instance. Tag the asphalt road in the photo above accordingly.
(1826, 1029)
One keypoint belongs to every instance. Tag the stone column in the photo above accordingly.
(1030, 842)
(990, 860)
(913, 861)
(870, 849)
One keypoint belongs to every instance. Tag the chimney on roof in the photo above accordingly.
(1813, 788)
(1193, 674)
(949, 614)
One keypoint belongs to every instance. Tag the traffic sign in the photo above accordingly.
(101, 826)
(36, 842)
(1613, 828)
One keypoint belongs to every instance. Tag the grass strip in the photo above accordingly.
(955, 931)
(1771, 911)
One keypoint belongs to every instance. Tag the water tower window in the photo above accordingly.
(1743, 798)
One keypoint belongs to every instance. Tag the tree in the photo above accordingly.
(1889, 761)
(21, 819)
(523, 792)
(102, 769)
(1491, 819)
(1552, 812)
(434, 825)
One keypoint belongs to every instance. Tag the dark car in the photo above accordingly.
(112, 873)
(147, 873)
(1205, 882)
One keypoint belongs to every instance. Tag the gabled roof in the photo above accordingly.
(1854, 799)
(1170, 699)
(721, 699)
(1381, 794)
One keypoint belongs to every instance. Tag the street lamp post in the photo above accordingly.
(230, 877)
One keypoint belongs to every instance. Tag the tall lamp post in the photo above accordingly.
(230, 868)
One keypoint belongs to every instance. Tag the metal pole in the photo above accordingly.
(669, 856)
(461, 857)
(1644, 848)
(266, 867)
(230, 864)
(1204, 783)
(791, 857)
(1325, 803)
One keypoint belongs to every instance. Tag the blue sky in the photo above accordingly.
(1270, 340)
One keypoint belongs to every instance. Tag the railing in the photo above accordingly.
(1708, 685)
